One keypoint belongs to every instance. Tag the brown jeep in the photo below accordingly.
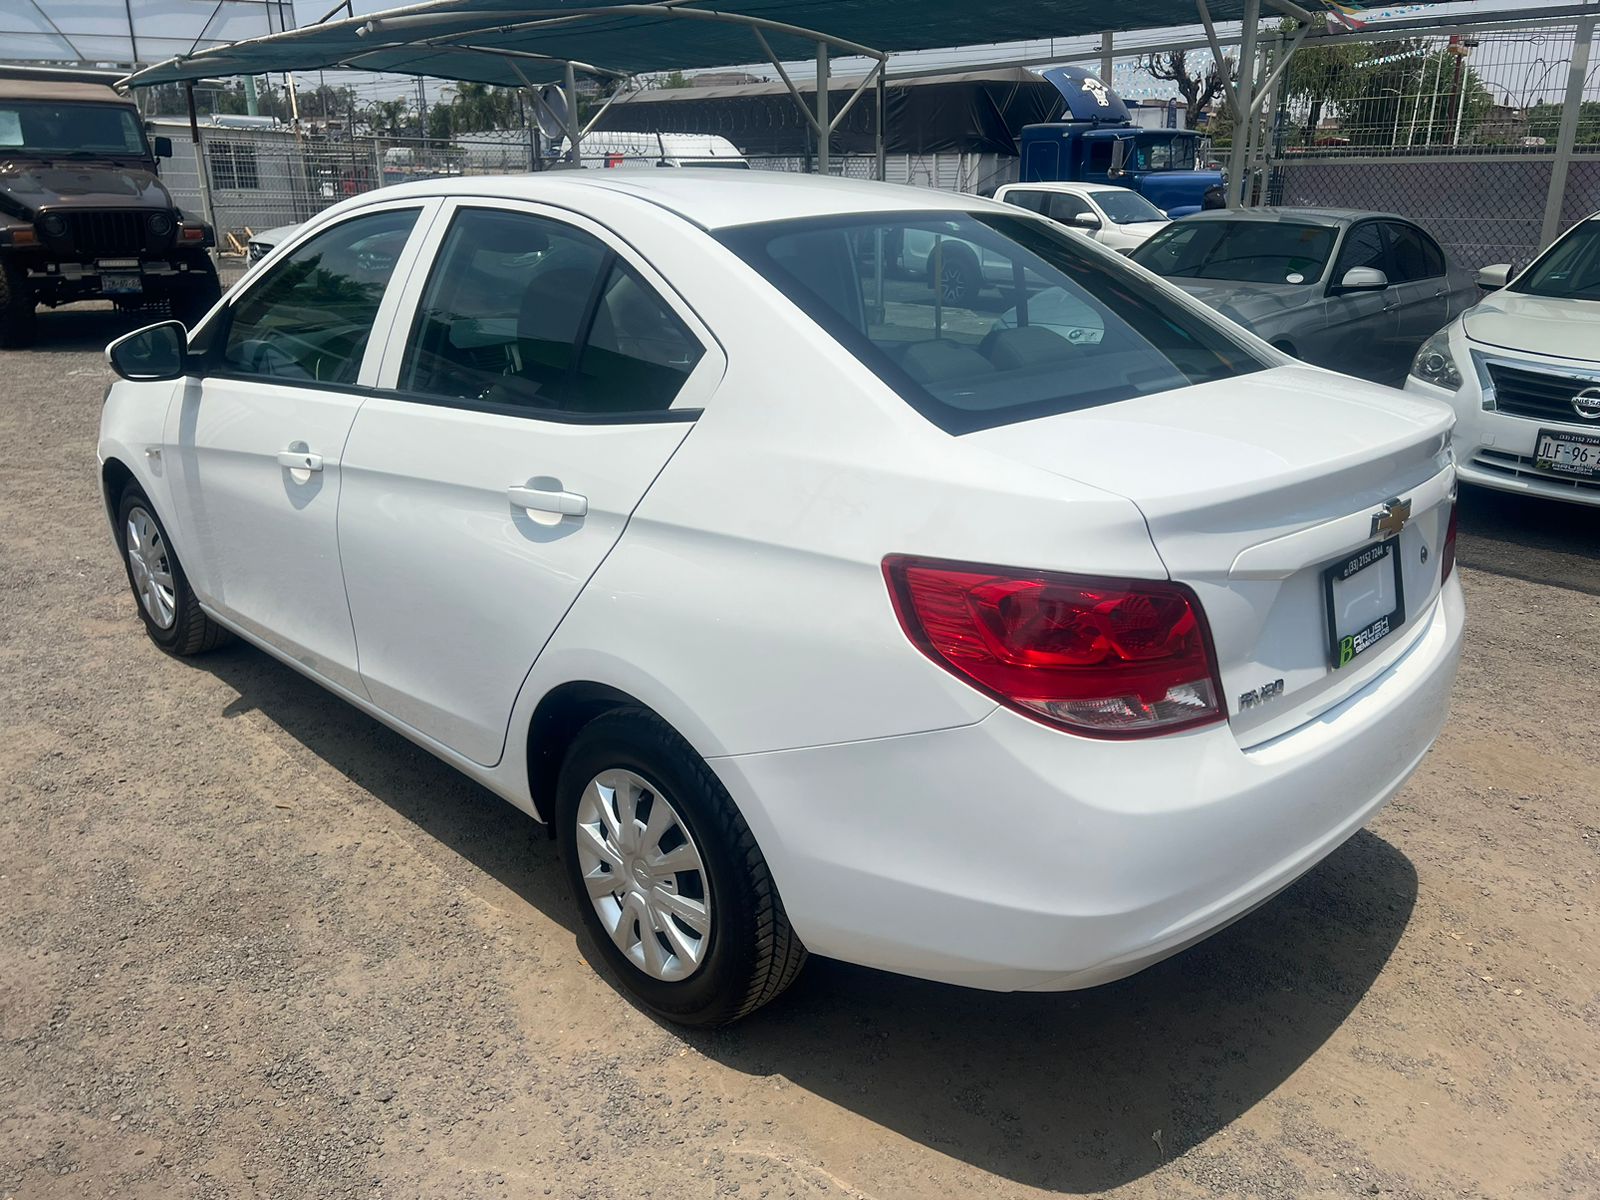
(83, 215)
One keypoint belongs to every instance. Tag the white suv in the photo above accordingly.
(812, 609)
(1522, 370)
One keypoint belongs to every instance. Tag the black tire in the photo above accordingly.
(753, 954)
(198, 290)
(191, 631)
(959, 276)
(17, 320)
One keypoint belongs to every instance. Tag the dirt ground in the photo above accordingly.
(254, 945)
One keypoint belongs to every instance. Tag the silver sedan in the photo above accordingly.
(1357, 292)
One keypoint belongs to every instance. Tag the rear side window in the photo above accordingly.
(1413, 254)
(1024, 198)
(309, 320)
(980, 320)
(531, 315)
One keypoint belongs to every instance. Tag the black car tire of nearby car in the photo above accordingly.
(16, 308)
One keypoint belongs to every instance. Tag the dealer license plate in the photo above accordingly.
(121, 283)
(1364, 599)
(1568, 453)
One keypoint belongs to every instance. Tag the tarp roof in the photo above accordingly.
(490, 41)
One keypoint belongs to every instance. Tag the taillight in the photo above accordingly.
(1104, 657)
(1447, 553)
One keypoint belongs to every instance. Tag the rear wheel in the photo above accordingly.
(668, 879)
(17, 321)
(196, 291)
(171, 613)
(958, 277)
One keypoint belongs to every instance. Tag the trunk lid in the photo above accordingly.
(1252, 488)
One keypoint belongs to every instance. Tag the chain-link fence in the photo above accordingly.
(1460, 134)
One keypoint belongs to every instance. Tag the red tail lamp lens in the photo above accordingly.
(1447, 555)
(1106, 657)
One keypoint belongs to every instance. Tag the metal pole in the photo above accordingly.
(883, 107)
(1568, 132)
(252, 102)
(569, 82)
(1107, 60)
(1238, 163)
(822, 108)
(1433, 103)
(201, 167)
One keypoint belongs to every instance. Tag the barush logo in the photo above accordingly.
(1351, 646)
(1100, 92)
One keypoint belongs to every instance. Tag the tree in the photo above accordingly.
(1197, 89)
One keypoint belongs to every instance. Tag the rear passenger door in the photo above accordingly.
(1421, 292)
(539, 376)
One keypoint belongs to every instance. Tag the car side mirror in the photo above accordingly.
(163, 147)
(1119, 155)
(152, 354)
(1087, 221)
(1497, 276)
(1363, 279)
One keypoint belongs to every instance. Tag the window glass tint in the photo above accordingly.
(1570, 269)
(112, 129)
(1043, 326)
(1363, 247)
(1412, 254)
(310, 317)
(504, 317)
(1100, 156)
(1249, 251)
(1064, 207)
(1030, 200)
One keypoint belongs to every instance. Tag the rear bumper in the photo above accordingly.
(1006, 855)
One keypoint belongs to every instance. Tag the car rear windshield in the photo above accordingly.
(986, 319)
(1569, 270)
(81, 130)
(1247, 251)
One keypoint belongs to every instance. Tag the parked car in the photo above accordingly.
(1522, 370)
(262, 244)
(83, 212)
(1356, 292)
(1113, 216)
(813, 612)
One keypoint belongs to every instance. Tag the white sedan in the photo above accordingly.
(814, 612)
(1117, 217)
(1522, 369)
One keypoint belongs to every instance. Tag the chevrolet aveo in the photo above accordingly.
(815, 612)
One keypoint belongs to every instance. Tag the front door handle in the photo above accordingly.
(299, 460)
(568, 504)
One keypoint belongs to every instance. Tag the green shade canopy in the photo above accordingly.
(511, 43)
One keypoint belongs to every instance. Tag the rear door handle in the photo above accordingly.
(299, 460)
(568, 504)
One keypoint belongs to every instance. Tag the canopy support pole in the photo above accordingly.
(1567, 132)
(882, 144)
(569, 83)
(805, 108)
(1244, 109)
(824, 126)
(202, 169)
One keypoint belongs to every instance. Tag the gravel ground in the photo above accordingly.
(253, 944)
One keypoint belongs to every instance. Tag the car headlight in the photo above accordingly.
(160, 224)
(1435, 364)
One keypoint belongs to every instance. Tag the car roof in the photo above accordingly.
(710, 199)
(1063, 185)
(1303, 216)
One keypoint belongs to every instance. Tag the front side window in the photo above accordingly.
(531, 315)
(1063, 328)
(1283, 252)
(1064, 207)
(310, 318)
(1363, 247)
(71, 130)
(1569, 270)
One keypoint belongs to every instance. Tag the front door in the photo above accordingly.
(1356, 335)
(255, 444)
(544, 383)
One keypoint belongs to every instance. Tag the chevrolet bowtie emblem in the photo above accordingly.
(1391, 518)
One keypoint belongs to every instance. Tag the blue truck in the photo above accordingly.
(1099, 143)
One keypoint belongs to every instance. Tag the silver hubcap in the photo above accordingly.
(644, 875)
(150, 567)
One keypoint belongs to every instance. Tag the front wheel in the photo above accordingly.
(17, 320)
(167, 604)
(668, 879)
